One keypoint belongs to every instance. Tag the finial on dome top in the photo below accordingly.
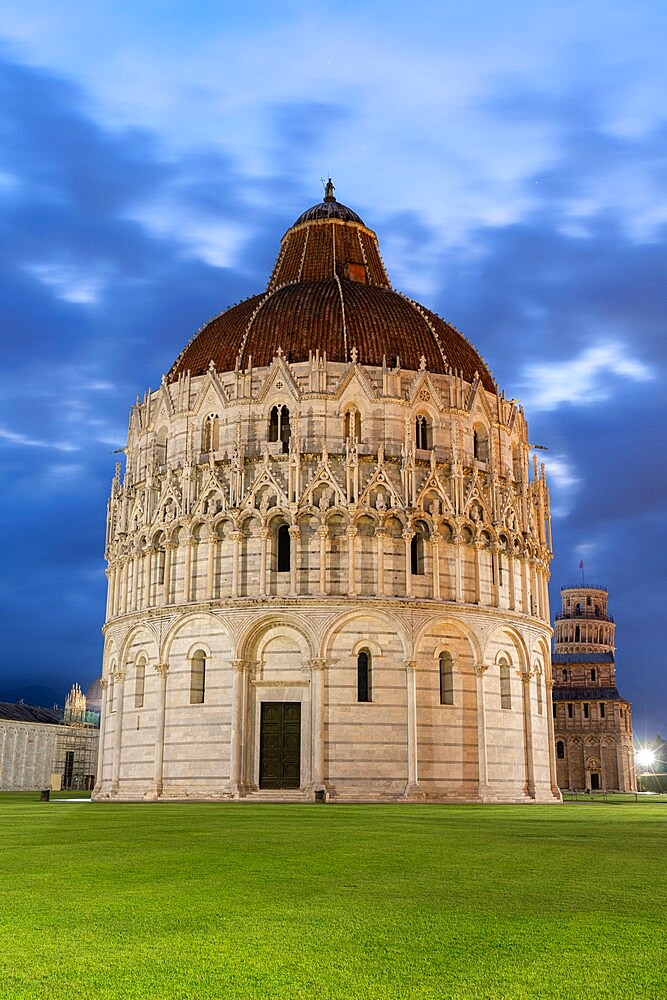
(329, 191)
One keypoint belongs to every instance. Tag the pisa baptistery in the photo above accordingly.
(328, 556)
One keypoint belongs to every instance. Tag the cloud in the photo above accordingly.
(583, 380)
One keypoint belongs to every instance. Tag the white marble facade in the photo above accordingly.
(366, 542)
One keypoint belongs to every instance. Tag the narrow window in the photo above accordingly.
(159, 569)
(570, 710)
(112, 693)
(587, 710)
(588, 602)
(577, 633)
(480, 444)
(417, 553)
(602, 710)
(283, 544)
(274, 424)
(560, 750)
(279, 426)
(364, 675)
(422, 432)
(564, 675)
(554, 709)
(446, 679)
(161, 446)
(505, 686)
(197, 678)
(593, 674)
(352, 425)
(538, 681)
(210, 433)
(139, 684)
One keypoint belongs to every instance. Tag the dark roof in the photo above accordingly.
(585, 694)
(29, 713)
(329, 290)
(328, 209)
(582, 657)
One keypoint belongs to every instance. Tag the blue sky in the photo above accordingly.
(512, 159)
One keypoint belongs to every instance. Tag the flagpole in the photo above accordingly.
(583, 578)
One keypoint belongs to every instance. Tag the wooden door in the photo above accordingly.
(280, 745)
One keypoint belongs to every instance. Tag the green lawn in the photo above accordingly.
(199, 901)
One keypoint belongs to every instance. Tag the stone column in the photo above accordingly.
(483, 777)
(435, 565)
(237, 726)
(119, 678)
(317, 668)
(323, 532)
(294, 536)
(99, 777)
(380, 536)
(412, 789)
(351, 560)
(407, 538)
(109, 608)
(548, 684)
(527, 711)
(237, 536)
(263, 544)
(162, 670)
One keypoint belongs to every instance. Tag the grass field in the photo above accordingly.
(200, 901)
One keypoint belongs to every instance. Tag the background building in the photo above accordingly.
(328, 561)
(48, 748)
(592, 723)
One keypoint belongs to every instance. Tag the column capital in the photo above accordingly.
(411, 666)
(240, 666)
(408, 535)
(480, 668)
(105, 683)
(323, 531)
(162, 669)
(119, 675)
(237, 535)
(319, 663)
(294, 531)
(525, 676)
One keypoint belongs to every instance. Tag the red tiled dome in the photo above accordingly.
(329, 291)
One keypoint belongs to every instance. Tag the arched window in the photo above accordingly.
(210, 433)
(564, 675)
(161, 446)
(560, 750)
(139, 684)
(423, 436)
(577, 633)
(588, 602)
(417, 552)
(363, 675)
(480, 443)
(352, 425)
(505, 685)
(279, 427)
(446, 679)
(197, 677)
(283, 549)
